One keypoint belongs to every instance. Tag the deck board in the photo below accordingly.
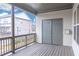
(45, 50)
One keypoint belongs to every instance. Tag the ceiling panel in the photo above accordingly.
(44, 7)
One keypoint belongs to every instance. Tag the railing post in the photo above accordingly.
(26, 40)
(35, 37)
(13, 30)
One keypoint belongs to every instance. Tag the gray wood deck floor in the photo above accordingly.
(45, 50)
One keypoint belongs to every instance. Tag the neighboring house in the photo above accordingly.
(5, 26)
(23, 25)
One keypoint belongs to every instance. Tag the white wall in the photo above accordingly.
(67, 24)
(75, 46)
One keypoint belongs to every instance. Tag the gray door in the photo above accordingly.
(52, 31)
(46, 29)
(57, 32)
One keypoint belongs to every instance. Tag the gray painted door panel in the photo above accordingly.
(46, 31)
(57, 32)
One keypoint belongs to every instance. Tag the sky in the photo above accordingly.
(5, 9)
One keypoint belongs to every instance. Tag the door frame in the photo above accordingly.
(51, 29)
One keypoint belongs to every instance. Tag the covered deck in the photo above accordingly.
(37, 49)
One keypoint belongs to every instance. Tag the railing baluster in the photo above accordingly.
(1, 46)
(6, 45)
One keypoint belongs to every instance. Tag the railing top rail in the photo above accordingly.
(4, 38)
(25, 34)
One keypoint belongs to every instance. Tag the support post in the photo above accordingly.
(13, 30)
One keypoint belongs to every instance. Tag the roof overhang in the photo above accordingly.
(37, 8)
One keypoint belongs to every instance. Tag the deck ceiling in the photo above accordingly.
(36, 8)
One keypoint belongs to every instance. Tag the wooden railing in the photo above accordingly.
(7, 45)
